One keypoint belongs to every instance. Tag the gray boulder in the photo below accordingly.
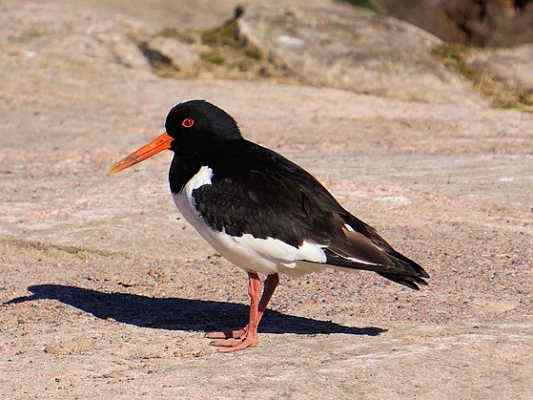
(349, 48)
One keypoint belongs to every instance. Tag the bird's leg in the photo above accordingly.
(271, 282)
(249, 338)
(248, 335)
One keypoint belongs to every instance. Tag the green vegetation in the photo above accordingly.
(224, 35)
(223, 53)
(172, 33)
(213, 57)
(453, 56)
(502, 95)
(360, 3)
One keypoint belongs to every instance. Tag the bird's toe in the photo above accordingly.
(237, 345)
(231, 334)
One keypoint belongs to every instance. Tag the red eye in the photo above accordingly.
(187, 122)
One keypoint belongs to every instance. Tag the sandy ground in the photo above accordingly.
(105, 291)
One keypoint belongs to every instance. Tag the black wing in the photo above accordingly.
(257, 191)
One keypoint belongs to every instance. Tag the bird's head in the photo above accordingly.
(193, 127)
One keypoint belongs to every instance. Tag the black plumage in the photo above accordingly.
(256, 191)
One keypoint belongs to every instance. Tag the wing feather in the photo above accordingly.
(268, 196)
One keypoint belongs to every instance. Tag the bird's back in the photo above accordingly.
(255, 191)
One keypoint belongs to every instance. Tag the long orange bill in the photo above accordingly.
(160, 143)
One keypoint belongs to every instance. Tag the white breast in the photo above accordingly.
(247, 252)
(185, 202)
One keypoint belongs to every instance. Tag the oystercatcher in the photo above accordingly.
(261, 211)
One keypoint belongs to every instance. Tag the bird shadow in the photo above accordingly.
(181, 314)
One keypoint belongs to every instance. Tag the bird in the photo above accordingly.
(262, 212)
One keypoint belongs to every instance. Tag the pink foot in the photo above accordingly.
(231, 334)
(230, 345)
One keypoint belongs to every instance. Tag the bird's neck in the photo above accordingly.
(182, 169)
(186, 164)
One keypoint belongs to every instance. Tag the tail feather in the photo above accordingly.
(415, 266)
(409, 281)
(399, 268)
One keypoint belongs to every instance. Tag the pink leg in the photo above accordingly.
(246, 337)
(271, 283)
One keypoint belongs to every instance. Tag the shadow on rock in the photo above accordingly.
(181, 314)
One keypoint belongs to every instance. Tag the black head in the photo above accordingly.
(198, 125)
(194, 128)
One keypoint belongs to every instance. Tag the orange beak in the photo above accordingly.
(160, 143)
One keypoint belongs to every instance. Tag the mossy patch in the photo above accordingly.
(223, 53)
(502, 94)
(224, 35)
(368, 4)
(213, 57)
(173, 33)
(453, 56)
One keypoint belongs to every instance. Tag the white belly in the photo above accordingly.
(267, 256)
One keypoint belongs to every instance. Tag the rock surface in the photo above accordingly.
(180, 54)
(105, 291)
(514, 66)
(347, 48)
